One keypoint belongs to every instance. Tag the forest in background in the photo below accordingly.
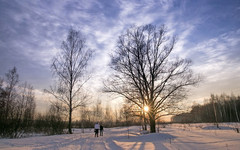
(218, 108)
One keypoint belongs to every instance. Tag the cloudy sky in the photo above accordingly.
(208, 32)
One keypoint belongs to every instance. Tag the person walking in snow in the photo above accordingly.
(101, 130)
(96, 129)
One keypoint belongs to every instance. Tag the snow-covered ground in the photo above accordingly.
(173, 137)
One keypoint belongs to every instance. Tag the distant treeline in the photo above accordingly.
(106, 116)
(218, 108)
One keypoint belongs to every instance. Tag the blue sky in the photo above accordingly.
(208, 31)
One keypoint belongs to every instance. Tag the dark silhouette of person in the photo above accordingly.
(96, 129)
(101, 130)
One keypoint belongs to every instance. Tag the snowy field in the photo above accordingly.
(173, 137)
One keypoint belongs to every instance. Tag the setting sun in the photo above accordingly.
(146, 108)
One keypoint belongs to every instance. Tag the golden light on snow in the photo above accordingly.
(146, 108)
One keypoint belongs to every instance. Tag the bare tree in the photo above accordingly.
(7, 103)
(24, 110)
(98, 111)
(17, 106)
(235, 106)
(12, 81)
(28, 105)
(146, 74)
(69, 68)
(108, 115)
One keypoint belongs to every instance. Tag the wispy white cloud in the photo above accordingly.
(218, 58)
(137, 13)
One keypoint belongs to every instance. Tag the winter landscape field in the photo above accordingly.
(120, 64)
(173, 137)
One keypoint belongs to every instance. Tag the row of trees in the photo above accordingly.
(54, 121)
(107, 116)
(17, 110)
(218, 108)
(17, 105)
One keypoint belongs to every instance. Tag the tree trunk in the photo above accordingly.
(235, 106)
(144, 122)
(152, 123)
(215, 113)
(70, 122)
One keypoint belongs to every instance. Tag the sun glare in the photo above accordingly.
(146, 108)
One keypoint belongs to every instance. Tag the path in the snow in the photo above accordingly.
(174, 137)
(78, 140)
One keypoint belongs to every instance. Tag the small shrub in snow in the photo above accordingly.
(237, 130)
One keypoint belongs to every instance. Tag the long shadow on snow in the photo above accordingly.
(156, 139)
(215, 128)
(61, 142)
(214, 142)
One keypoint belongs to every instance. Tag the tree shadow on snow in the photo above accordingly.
(156, 139)
(217, 128)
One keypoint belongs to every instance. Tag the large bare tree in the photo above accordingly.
(69, 66)
(146, 74)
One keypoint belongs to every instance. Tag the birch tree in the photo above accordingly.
(69, 67)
